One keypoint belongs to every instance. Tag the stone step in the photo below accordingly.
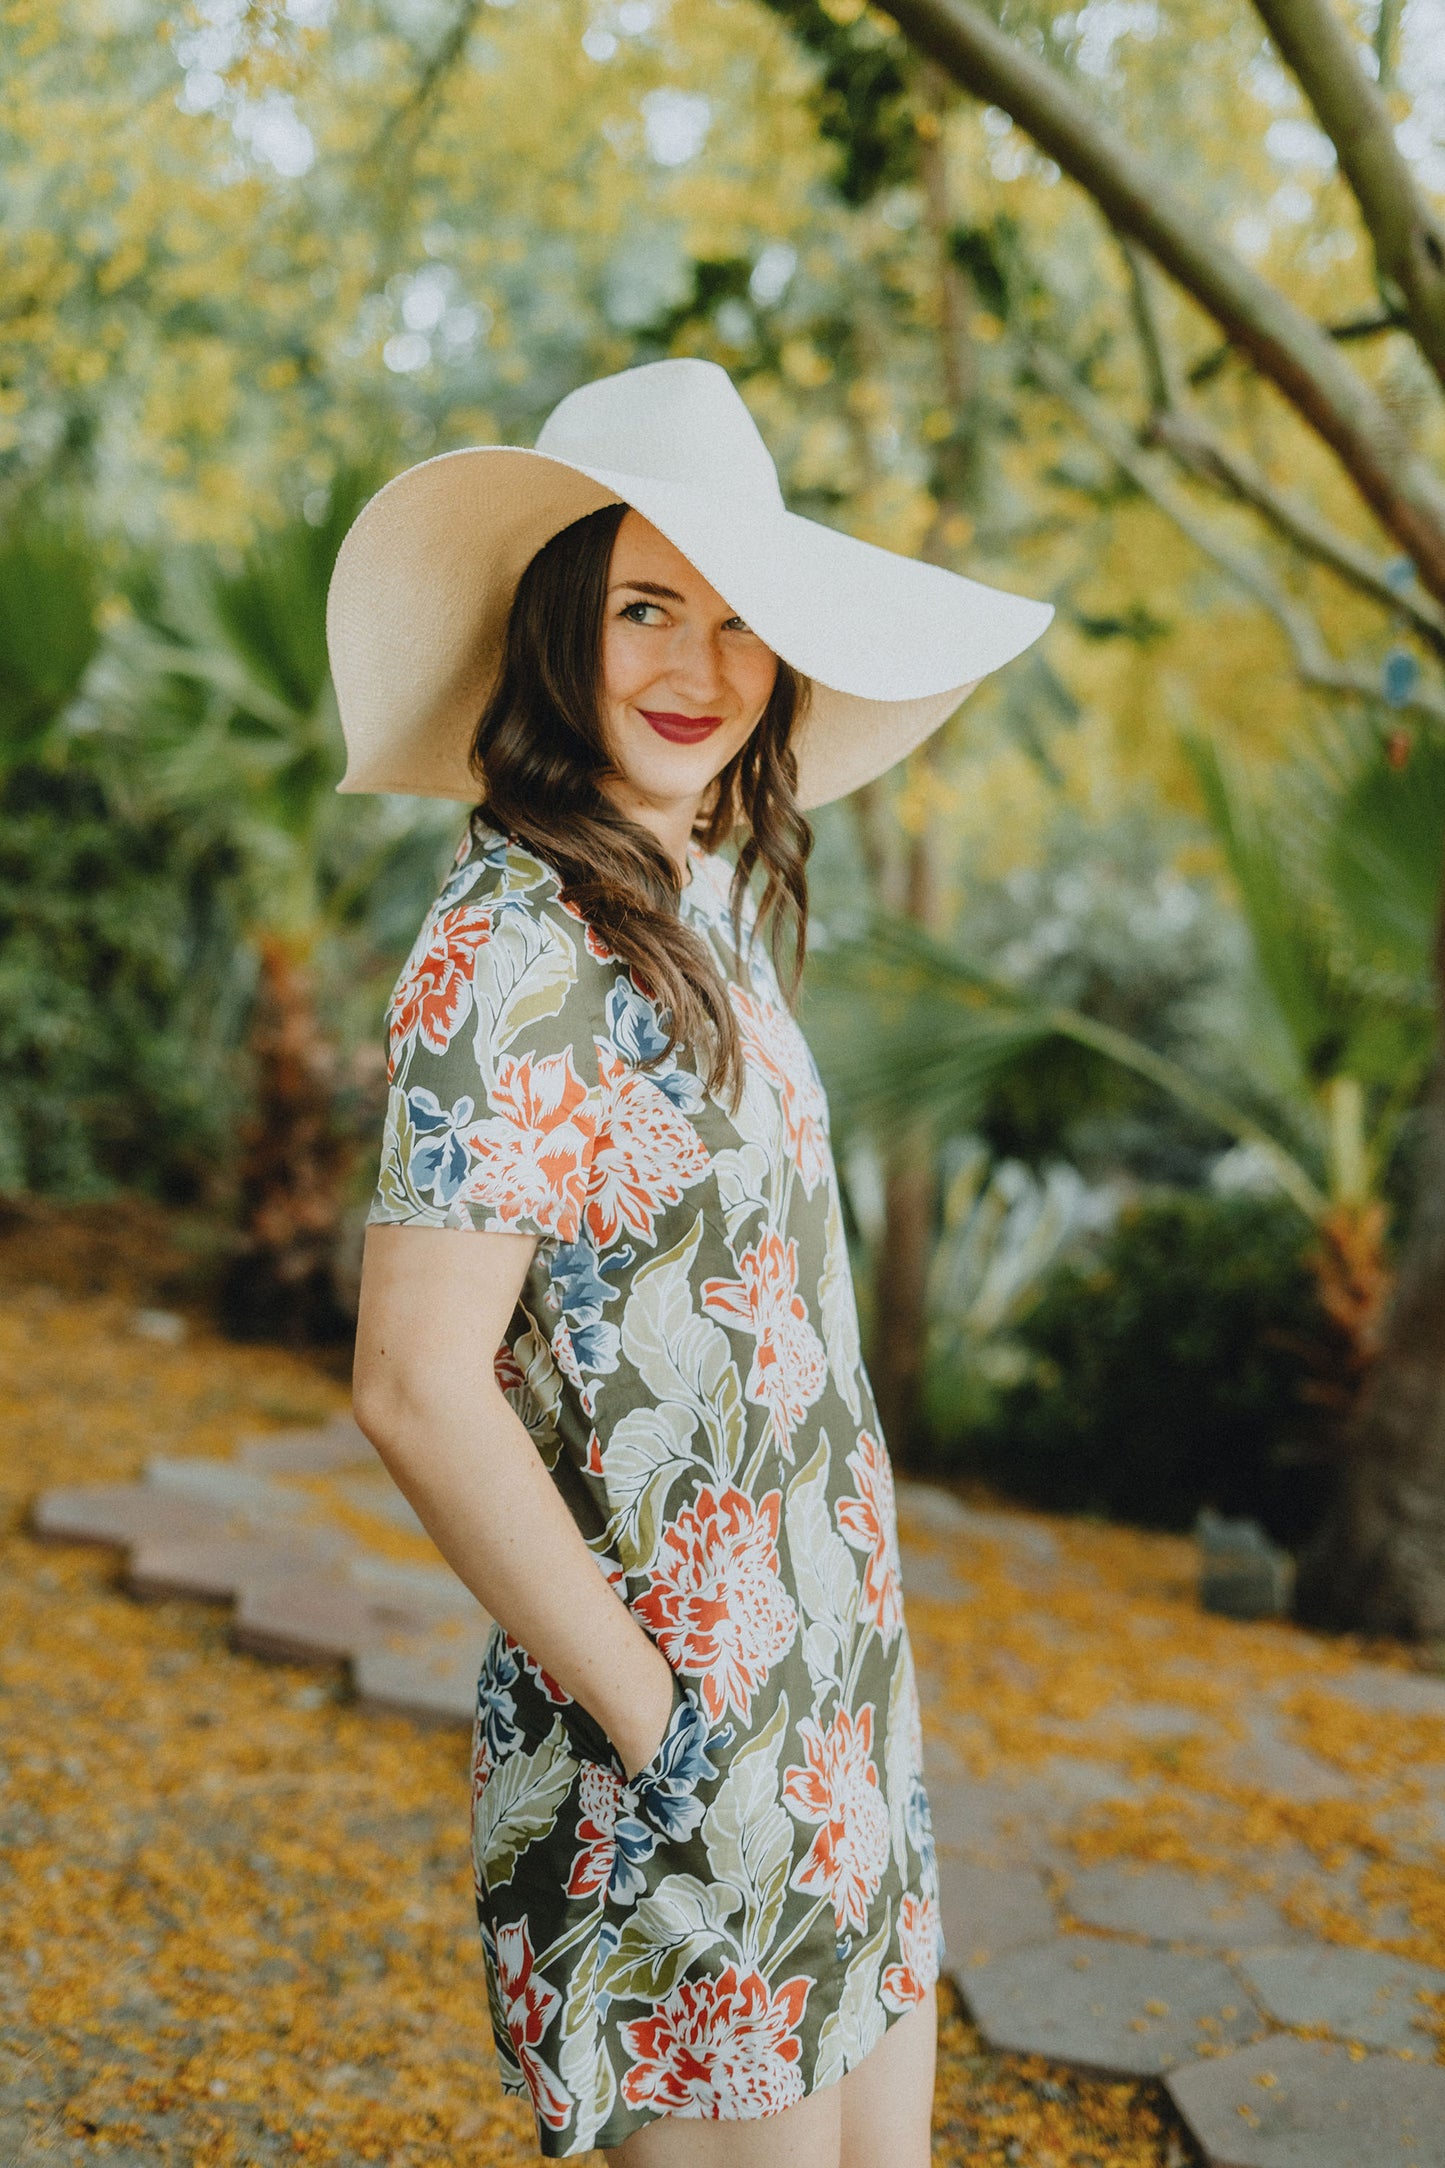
(307, 1622)
(123, 1513)
(336, 1445)
(432, 1677)
(217, 1568)
(1112, 2008)
(1306, 2104)
(1361, 1995)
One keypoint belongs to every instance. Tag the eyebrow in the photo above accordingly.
(648, 587)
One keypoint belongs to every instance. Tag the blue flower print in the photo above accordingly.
(439, 1158)
(580, 1287)
(661, 1801)
(918, 1821)
(632, 1023)
(496, 1703)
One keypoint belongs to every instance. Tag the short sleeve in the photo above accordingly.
(493, 1105)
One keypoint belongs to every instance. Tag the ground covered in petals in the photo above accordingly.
(235, 1914)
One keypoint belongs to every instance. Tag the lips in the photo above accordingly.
(681, 729)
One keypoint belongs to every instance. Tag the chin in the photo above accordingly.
(665, 773)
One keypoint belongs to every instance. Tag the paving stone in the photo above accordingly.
(1168, 1905)
(1377, 1686)
(1109, 2007)
(1268, 1760)
(1356, 1994)
(946, 1515)
(933, 1575)
(219, 1567)
(338, 1444)
(121, 1514)
(431, 1677)
(303, 1622)
(1306, 2104)
(434, 1590)
(378, 1495)
(239, 1492)
(988, 1910)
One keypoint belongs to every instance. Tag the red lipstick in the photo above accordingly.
(681, 729)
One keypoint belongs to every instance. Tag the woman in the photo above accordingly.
(607, 1343)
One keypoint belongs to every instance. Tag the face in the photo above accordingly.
(684, 681)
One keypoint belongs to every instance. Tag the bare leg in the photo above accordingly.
(888, 2099)
(803, 2137)
(879, 2116)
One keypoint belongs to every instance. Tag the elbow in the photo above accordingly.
(400, 1406)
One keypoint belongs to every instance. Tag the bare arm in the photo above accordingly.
(435, 1304)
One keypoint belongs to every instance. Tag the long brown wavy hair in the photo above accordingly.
(540, 757)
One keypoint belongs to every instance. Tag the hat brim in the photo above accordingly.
(423, 584)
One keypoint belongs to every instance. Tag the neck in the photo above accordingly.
(670, 821)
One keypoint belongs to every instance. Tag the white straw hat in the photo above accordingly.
(424, 581)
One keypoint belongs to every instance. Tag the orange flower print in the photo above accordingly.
(433, 996)
(528, 1160)
(774, 1044)
(717, 1607)
(789, 1367)
(839, 1790)
(530, 2005)
(907, 1982)
(646, 1155)
(600, 1793)
(869, 1522)
(718, 2049)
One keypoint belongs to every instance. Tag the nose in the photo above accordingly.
(696, 666)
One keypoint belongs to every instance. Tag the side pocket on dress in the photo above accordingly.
(661, 1803)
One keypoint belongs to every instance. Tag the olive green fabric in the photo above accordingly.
(738, 1924)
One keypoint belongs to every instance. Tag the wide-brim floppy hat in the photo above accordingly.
(423, 584)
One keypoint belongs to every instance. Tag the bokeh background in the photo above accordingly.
(1126, 987)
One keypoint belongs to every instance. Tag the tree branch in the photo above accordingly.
(1312, 659)
(1183, 432)
(1408, 236)
(1284, 344)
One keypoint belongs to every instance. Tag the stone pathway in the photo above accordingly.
(1192, 1867)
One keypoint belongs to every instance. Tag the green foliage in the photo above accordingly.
(863, 94)
(122, 996)
(1172, 1369)
(48, 586)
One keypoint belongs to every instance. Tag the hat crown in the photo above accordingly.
(679, 421)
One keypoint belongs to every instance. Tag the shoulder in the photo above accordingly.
(500, 953)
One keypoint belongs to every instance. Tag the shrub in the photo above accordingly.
(1175, 1368)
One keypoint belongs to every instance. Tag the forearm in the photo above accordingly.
(474, 1478)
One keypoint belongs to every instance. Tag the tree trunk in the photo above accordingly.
(1378, 1563)
(281, 1283)
(910, 1212)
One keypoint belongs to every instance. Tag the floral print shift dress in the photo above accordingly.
(740, 1923)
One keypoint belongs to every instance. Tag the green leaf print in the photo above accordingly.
(837, 1309)
(901, 1751)
(521, 873)
(519, 1804)
(825, 1581)
(525, 972)
(680, 1919)
(749, 1836)
(583, 2063)
(394, 1186)
(856, 2026)
(684, 1357)
(646, 1453)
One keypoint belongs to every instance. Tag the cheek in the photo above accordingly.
(627, 661)
(754, 677)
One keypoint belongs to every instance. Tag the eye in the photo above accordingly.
(633, 612)
(737, 624)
